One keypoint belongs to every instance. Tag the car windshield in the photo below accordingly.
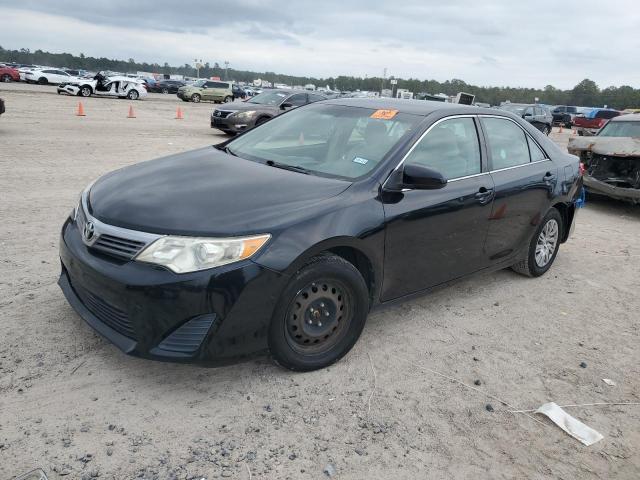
(621, 129)
(199, 83)
(326, 140)
(517, 109)
(268, 98)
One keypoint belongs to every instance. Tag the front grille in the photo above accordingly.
(118, 246)
(106, 313)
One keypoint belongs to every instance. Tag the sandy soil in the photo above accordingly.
(72, 404)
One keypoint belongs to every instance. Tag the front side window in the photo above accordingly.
(297, 100)
(507, 143)
(451, 147)
(268, 98)
(327, 140)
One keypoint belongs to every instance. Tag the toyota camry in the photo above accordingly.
(284, 238)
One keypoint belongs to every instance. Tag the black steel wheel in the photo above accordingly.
(320, 315)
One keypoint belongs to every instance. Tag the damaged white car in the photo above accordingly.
(612, 158)
(105, 86)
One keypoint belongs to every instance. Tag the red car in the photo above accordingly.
(8, 74)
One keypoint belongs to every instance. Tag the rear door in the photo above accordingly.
(433, 236)
(524, 179)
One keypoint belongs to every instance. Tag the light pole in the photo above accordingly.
(226, 68)
(198, 66)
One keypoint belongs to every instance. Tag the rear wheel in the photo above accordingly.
(228, 99)
(165, 91)
(546, 130)
(320, 314)
(133, 95)
(543, 247)
(195, 98)
(6, 78)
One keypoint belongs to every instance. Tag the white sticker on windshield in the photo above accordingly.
(361, 161)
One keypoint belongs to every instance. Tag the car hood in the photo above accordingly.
(207, 192)
(246, 107)
(612, 146)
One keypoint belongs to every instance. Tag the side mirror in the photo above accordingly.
(285, 105)
(422, 178)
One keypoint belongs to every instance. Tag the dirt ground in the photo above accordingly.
(74, 405)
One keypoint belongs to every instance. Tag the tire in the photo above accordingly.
(195, 98)
(539, 259)
(262, 120)
(42, 81)
(320, 314)
(133, 95)
(165, 91)
(6, 78)
(85, 91)
(546, 130)
(228, 99)
(580, 133)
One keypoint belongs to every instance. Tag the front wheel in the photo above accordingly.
(42, 81)
(228, 99)
(133, 95)
(85, 91)
(543, 247)
(6, 78)
(165, 91)
(195, 98)
(320, 314)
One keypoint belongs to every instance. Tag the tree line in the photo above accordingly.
(585, 93)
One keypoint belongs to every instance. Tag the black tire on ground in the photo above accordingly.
(133, 94)
(228, 99)
(567, 125)
(85, 91)
(529, 266)
(42, 81)
(185, 99)
(580, 133)
(546, 130)
(195, 98)
(262, 120)
(165, 91)
(6, 78)
(320, 314)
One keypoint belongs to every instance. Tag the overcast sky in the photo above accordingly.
(490, 42)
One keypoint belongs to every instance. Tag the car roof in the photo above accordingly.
(629, 117)
(412, 107)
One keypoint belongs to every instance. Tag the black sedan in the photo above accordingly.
(166, 86)
(284, 238)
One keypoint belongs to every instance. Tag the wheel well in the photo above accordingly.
(566, 212)
(359, 260)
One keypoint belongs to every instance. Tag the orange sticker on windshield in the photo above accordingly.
(384, 114)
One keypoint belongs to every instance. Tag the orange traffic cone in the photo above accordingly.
(179, 115)
(80, 112)
(131, 113)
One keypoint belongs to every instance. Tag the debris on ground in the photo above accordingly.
(569, 424)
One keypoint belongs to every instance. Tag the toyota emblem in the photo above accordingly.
(88, 231)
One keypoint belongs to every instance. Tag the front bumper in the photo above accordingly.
(230, 124)
(619, 193)
(68, 89)
(214, 316)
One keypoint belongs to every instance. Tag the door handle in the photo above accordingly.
(484, 195)
(549, 177)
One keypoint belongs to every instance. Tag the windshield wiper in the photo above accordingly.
(284, 166)
(227, 150)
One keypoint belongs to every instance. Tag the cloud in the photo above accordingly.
(498, 42)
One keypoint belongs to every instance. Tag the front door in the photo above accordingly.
(433, 236)
(524, 180)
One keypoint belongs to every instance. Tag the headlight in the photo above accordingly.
(78, 207)
(243, 115)
(190, 254)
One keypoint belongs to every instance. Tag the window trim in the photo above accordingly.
(490, 159)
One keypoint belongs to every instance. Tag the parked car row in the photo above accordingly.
(537, 115)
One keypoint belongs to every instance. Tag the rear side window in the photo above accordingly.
(572, 110)
(507, 143)
(451, 148)
(315, 98)
(537, 154)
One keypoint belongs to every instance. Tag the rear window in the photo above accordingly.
(606, 114)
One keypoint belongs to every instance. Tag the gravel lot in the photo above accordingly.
(72, 404)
